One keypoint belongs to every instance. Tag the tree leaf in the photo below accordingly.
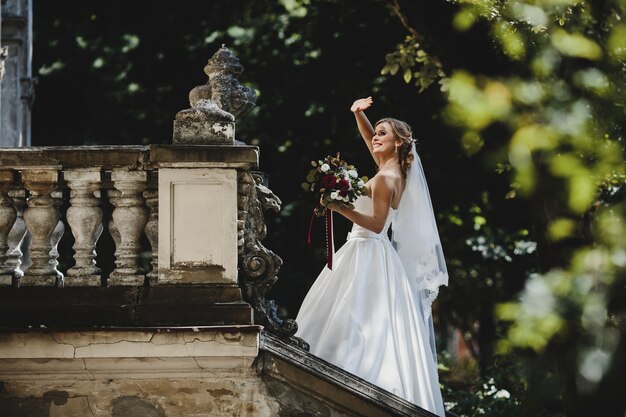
(408, 74)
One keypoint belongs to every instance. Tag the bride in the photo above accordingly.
(370, 315)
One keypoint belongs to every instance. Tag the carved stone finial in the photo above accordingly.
(216, 104)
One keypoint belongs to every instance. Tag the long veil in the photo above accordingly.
(416, 239)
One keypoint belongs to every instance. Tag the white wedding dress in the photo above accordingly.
(364, 317)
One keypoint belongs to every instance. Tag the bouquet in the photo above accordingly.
(336, 182)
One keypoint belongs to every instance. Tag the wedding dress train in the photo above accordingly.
(365, 317)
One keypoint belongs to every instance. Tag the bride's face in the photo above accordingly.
(384, 141)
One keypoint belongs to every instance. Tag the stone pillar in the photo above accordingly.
(130, 217)
(85, 219)
(198, 206)
(41, 217)
(17, 84)
(152, 227)
(8, 214)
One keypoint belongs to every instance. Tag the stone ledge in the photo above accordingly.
(204, 156)
(131, 353)
(80, 307)
(71, 156)
(131, 343)
(132, 156)
(72, 370)
(310, 374)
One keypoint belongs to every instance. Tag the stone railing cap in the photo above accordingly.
(116, 156)
(240, 156)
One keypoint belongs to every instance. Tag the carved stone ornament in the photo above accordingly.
(28, 86)
(4, 53)
(216, 104)
(259, 266)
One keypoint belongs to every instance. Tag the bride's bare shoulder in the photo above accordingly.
(388, 179)
(387, 176)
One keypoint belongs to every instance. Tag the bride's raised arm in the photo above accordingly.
(364, 125)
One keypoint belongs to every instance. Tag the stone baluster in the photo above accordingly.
(115, 234)
(130, 216)
(85, 219)
(41, 217)
(152, 227)
(18, 235)
(57, 234)
(8, 214)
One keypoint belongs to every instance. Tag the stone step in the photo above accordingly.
(304, 372)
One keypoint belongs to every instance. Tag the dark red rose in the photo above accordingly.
(343, 185)
(328, 181)
(343, 193)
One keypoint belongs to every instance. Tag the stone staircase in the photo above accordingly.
(297, 372)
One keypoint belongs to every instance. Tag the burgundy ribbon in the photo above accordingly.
(329, 238)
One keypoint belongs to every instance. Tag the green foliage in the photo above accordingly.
(498, 392)
(555, 116)
(412, 61)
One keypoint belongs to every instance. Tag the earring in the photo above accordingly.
(396, 149)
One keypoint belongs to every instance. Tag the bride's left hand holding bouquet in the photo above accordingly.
(335, 182)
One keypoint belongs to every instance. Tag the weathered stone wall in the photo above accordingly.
(223, 395)
(220, 395)
(144, 373)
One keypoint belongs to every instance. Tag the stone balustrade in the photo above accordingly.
(171, 212)
(158, 235)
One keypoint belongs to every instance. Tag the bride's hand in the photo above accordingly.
(361, 104)
(330, 205)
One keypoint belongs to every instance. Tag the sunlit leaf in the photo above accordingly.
(582, 191)
(561, 228)
(295, 8)
(617, 42)
(408, 74)
(576, 45)
(472, 142)
(535, 137)
(531, 14)
(464, 20)
(511, 40)
(132, 42)
(565, 165)
(593, 79)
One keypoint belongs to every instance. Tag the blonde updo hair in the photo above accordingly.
(402, 131)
